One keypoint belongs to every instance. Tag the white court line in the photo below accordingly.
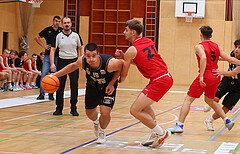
(25, 100)
(31, 115)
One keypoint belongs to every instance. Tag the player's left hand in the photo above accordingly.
(202, 83)
(217, 72)
(109, 89)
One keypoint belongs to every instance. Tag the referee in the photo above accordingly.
(68, 43)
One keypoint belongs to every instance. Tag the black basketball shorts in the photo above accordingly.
(96, 96)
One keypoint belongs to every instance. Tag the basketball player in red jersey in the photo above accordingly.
(207, 81)
(144, 54)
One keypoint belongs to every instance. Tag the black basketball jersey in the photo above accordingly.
(235, 79)
(99, 77)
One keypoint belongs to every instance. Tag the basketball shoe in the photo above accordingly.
(101, 137)
(149, 140)
(160, 139)
(209, 125)
(176, 129)
(206, 108)
(229, 124)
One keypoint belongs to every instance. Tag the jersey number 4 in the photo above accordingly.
(150, 51)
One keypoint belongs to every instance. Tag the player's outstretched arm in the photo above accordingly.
(69, 68)
(199, 50)
(129, 55)
(225, 56)
(229, 73)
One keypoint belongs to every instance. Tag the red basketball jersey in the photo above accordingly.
(147, 60)
(25, 64)
(212, 53)
(4, 62)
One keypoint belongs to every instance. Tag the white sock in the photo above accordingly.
(225, 119)
(179, 123)
(27, 84)
(101, 130)
(97, 121)
(210, 119)
(157, 129)
(32, 83)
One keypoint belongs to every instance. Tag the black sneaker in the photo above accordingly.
(57, 113)
(50, 97)
(40, 97)
(74, 113)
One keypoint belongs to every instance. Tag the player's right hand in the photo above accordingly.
(53, 68)
(202, 83)
(119, 54)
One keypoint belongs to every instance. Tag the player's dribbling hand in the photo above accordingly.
(119, 54)
(202, 83)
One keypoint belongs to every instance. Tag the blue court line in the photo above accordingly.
(79, 146)
(9, 1)
(223, 128)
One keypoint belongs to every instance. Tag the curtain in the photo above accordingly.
(26, 13)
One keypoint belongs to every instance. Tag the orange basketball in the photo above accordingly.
(50, 83)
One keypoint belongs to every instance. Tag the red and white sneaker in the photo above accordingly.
(160, 139)
(150, 139)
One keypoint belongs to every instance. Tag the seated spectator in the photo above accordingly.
(4, 68)
(27, 75)
(16, 75)
(30, 65)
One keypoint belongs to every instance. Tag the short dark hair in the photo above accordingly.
(42, 53)
(237, 42)
(34, 54)
(91, 47)
(21, 53)
(134, 24)
(56, 17)
(206, 31)
(13, 51)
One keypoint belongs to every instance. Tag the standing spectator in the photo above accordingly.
(39, 62)
(49, 34)
(68, 42)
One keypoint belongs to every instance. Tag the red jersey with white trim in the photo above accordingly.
(147, 60)
(25, 64)
(212, 53)
(4, 62)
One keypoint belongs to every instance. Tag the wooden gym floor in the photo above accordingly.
(33, 129)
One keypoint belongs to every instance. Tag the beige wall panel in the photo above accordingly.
(41, 19)
(178, 38)
(84, 28)
(9, 23)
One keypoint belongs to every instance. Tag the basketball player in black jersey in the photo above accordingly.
(229, 86)
(102, 72)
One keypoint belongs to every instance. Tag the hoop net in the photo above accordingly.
(35, 3)
(189, 17)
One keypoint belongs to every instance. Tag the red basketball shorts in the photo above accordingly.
(212, 82)
(158, 87)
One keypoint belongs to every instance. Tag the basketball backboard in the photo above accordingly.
(196, 7)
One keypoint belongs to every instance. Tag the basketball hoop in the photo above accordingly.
(189, 16)
(35, 3)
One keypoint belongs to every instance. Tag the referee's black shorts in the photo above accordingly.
(231, 90)
(96, 96)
